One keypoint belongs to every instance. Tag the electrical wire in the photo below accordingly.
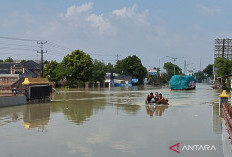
(21, 39)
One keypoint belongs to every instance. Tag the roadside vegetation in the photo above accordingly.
(78, 67)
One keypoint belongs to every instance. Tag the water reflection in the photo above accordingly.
(11, 114)
(158, 110)
(78, 111)
(36, 116)
(217, 120)
(129, 109)
(108, 132)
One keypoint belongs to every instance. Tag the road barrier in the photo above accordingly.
(227, 114)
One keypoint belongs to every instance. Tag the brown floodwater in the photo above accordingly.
(110, 123)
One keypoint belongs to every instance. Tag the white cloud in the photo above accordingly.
(73, 10)
(125, 12)
(98, 21)
(210, 11)
(138, 18)
(123, 30)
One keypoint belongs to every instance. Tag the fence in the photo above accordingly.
(227, 113)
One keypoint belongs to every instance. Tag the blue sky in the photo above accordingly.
(149, 29)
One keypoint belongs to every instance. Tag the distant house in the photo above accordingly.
(31, 68)
(12, 72)
(5, 68)
(25, 69)
(122, 81)
(153, 72)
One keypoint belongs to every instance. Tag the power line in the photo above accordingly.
(52, 44)
(117, 57)
(24, 49)
(49, 43)
(16, 44)
(21, 39)
(95, 54)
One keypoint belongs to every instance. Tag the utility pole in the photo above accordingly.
(200, 64)
(174, 60)
(41, 52)
(185, 67)
(117, 56)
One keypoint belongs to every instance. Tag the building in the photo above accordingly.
(223, 48)
(153, 71)
(27, 68)
(12, 72)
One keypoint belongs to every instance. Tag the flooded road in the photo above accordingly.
(110, 123)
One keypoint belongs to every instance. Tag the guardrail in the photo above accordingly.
(227, 113)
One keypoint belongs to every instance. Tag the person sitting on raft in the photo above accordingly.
(149, 98)
(162, 100)
(156, 97)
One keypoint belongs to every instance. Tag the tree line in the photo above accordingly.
(78, 67)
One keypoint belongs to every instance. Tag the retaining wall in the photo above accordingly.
(6, 101)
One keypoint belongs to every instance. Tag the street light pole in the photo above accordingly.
(174, 60)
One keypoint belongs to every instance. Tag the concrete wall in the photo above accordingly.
(6, 80)
(6, 101)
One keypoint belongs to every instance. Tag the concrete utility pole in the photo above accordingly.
(41, 52)
(200, 64)
(174, 59)
(117, 56)
(185, 66)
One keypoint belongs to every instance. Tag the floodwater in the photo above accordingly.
(110, 123)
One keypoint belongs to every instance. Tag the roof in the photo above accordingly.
(36, 81)
(5, 68)
(30, 73)
(31, 65)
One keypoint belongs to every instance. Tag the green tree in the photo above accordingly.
(223, 66)
(55, 71)
(169, 67)
(209, 70)
(1, 61)
(80, 66)
(132, 66)
(199, 76)
(9, 60)
(99, 71)
(22, 61)
(109, 68)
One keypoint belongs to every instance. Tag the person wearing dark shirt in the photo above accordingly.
(149, 98)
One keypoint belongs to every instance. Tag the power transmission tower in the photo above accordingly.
(41, 52)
